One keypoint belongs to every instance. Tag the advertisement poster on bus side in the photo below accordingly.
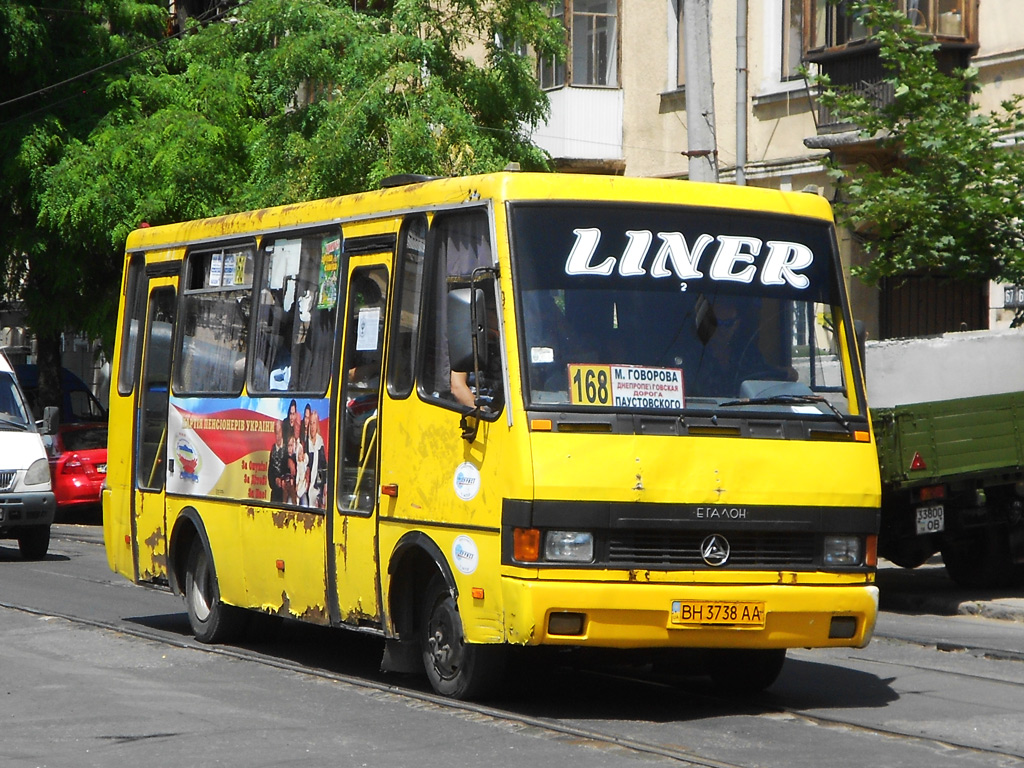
(265, 450)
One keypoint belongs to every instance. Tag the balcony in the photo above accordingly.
(842, 49)
(584, 130)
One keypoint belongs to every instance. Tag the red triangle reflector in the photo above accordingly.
(917, 462)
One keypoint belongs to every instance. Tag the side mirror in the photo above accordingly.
(467, 329)
(51, 419)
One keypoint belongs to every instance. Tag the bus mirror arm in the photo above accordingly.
(470, 424)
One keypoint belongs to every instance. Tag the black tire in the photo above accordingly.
(981, 559)
(212, 621)
(909, 554)
(455, 668)
(744, 670)
(34, 541)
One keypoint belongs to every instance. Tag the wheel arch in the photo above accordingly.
(187, 528)
(414, 560)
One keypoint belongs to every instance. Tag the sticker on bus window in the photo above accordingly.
(626, 386)
(327, 295)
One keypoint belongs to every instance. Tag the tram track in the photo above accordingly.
(546, 726)
(645, 697)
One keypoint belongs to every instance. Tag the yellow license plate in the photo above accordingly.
(713, 612)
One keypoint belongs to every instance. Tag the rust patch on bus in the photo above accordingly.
(154, 540)
(343, 542)
(314, 614)
(289, 518)
(357, 614)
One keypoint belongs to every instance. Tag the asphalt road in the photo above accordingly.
(95, 671)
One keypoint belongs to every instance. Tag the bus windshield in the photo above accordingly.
(666, 308)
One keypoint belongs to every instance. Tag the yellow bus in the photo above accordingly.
(470, 414)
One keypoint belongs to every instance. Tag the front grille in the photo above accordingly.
(681, 549)
(7, 477)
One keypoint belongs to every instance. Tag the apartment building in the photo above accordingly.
(618, 105)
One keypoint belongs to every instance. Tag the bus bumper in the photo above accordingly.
(635, 615)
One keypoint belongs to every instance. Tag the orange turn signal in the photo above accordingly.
(871, 551)
(526, 545)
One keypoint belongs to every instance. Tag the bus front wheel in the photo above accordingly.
(212, 621)
(455, 668)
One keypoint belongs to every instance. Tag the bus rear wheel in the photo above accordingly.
(455, 668)
(212, 621)
(745, 670)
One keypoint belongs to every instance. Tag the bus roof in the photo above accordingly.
(503, 186)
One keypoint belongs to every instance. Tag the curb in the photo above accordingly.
(928, 589)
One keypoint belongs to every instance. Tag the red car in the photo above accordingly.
(78, 465)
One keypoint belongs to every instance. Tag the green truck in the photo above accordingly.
(953, 479)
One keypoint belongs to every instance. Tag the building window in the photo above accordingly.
(680, 64)
(792, 38)
(836, 24)
(593, 50)
(550, 71)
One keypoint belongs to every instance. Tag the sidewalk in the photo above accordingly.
(929, 590)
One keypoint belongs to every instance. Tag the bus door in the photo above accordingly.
(149, 518)
(353, 546)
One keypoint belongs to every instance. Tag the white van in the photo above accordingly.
(27, 504)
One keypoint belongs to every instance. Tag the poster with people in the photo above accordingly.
(265, 450)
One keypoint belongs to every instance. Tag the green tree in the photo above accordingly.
(57, 63)
(281, 100)
(949, 201)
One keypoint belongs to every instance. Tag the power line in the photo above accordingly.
(82, 75)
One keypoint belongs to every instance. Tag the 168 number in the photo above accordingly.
(591, 385)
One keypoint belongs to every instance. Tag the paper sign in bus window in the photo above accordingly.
(368, 329)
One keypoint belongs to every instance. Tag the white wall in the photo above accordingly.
(901, 371)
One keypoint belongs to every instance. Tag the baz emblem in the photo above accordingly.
(715, 550)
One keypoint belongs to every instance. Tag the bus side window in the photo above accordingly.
(295, 314)
(215, 321)
(459, 244)
(405, 319)
(134, 318)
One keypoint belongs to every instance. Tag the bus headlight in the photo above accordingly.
(38, 473)
(844, 550)
(569, 547)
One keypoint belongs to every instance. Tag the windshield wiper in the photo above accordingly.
(19, 425)
(790, 400)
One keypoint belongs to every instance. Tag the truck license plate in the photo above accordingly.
(931, 519)
(706, 612)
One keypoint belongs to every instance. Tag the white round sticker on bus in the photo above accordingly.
(464, 554)
(466, 481)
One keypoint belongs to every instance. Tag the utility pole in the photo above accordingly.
(741, 92)
(700, 99)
